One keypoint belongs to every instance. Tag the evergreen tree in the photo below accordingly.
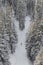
(21, 13)
(30, 8)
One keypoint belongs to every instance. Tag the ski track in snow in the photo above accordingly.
(20, 56)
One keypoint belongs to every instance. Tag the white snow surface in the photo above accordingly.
(20, 56)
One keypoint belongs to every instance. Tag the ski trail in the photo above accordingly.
(20, 56)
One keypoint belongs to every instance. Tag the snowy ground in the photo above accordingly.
(20, 57)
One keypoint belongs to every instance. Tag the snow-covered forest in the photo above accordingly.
(21, 32)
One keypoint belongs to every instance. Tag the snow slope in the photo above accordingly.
(20, 57)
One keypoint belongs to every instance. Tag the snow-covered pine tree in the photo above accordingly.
(13, 39)
(38, 10)
(30, 8)
(14, 5)
(19, 7)
(34, 40)
(39, 58)
(21, 13)
(4, 57)
(10, 31)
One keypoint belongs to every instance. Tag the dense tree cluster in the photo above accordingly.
(39, 58)
(8, 36)
(34, 40)
(35, 37)
(21, 9)
(20, 12)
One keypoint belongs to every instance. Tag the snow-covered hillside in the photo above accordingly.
(20, 56)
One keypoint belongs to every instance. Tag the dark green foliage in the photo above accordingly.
(30, 7)
(34, 42)
(20, 12)
(14, 5)
(4, 53)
